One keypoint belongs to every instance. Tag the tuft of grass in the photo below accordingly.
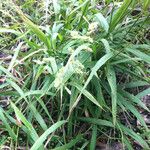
(77, 74)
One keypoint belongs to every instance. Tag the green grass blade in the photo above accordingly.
(99, 93)
(6, 124)
(139, 54)
(43, 137)
(29, 126)
(132, 109)
(35, 29)
(86, 94)
(74, 95)
(34, 93)
(77, 8)
(106, 45)
(127, 143)
(120, 14)
(70, 144)
(5, 30)
(135, 84)
(103, 22)
(7, 73)
(15, 56)
(94, 138)
(45, 109)
(111, 77)
(17, 88)
(146, 4)
(133, 98)
(97, 66)
(143, 93)
(56, 6)
(38, 117)
(96, 121)
(135, 136)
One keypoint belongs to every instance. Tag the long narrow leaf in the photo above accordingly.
(5, 122)
(14, 57)
(103, 22)
(139, 54)
(33, 27)
(111, 77)
(43, 137)
(86, 94)
(97, 66)
(93, 139)
(70, 144)
(96, 121)
(120, 14)
(135, 136)
(21, 117)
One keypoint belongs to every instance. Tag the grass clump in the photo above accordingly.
(73, 68)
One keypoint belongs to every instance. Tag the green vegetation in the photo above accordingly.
(75, 75)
